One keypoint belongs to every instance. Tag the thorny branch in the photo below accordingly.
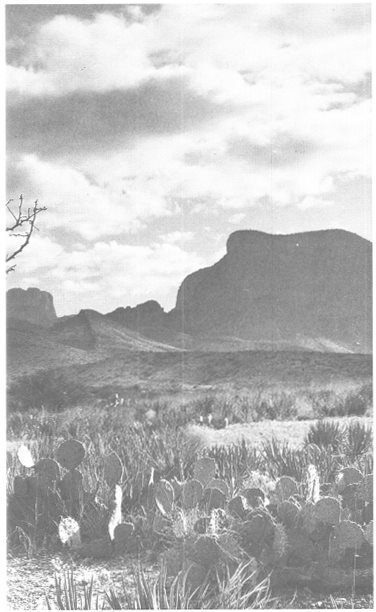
(22, 225)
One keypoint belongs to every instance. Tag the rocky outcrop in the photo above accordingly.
(150, 314)
(32, 305)
(284, 288)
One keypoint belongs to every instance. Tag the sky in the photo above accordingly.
(152, 132)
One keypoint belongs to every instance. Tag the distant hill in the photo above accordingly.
(300, 292)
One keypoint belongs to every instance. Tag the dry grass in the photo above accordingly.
(256, 434)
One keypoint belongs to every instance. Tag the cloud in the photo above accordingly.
(120, 118)
(109, 274)
(76, 203)
(85, 121)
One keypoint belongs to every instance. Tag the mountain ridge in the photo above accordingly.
(302, 291)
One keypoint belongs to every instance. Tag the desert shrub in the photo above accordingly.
(358, 439)
(356, 404)
(326, 434)
(48, 389)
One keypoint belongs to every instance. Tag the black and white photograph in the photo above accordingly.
(188, 277)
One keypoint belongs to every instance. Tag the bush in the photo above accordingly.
(326, 434)
(48, 389)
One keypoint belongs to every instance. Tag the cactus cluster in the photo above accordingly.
(292, 526)
(303, 530)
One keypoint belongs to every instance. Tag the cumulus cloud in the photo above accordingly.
(120, 117)
(109, 274)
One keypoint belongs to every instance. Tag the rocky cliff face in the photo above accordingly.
(284, 288)
(31, 305)
(150, 314)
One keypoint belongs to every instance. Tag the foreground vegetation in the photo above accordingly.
(228, 526)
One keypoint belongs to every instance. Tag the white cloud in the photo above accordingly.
(237, 218)
(109, 274)
(76, 203)
(287, 82)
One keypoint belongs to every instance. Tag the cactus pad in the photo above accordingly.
(279, 546)
(195, 576)
(71, 484)
(348, 476)
(288, 513)
(192, 494)
(47, 470)
(214, 498)
(348, 535)
(236, 507)
(218, 483)
(254, 497)
(25, 456)
(173, 560)
(70, 454)
(365, 488)
(164, 497)
(123, 534)
(328, 510)
(206, 551)
(229, 547)
(113, 469)
(368, 533)
(204, 470)
(20, 487)
(256, 533)
(285, 487)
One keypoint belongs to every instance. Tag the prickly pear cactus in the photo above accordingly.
(124, 538)
(207, 551)
(286, 487)
(288, 513)
(236, 507)
(47, 471)
(70, 454)
(368, 533)
(328, 510)
(254, 497)
(213, 498)
(192, 494)
(221, 485)
(365, 488)
(72, 492)
(113, 469)
(348, 476)
(349, 535)
(257, 533)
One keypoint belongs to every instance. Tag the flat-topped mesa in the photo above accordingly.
(277, 288)
(243, 240)
(32, 305)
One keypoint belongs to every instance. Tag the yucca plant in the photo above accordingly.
(326, 434)
(69, 597)
(358, 440)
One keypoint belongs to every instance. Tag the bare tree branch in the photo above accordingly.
(21, 221)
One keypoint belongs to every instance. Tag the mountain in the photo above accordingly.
(31, 305)
(312, 290)
(76, 340)
(308, 292)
